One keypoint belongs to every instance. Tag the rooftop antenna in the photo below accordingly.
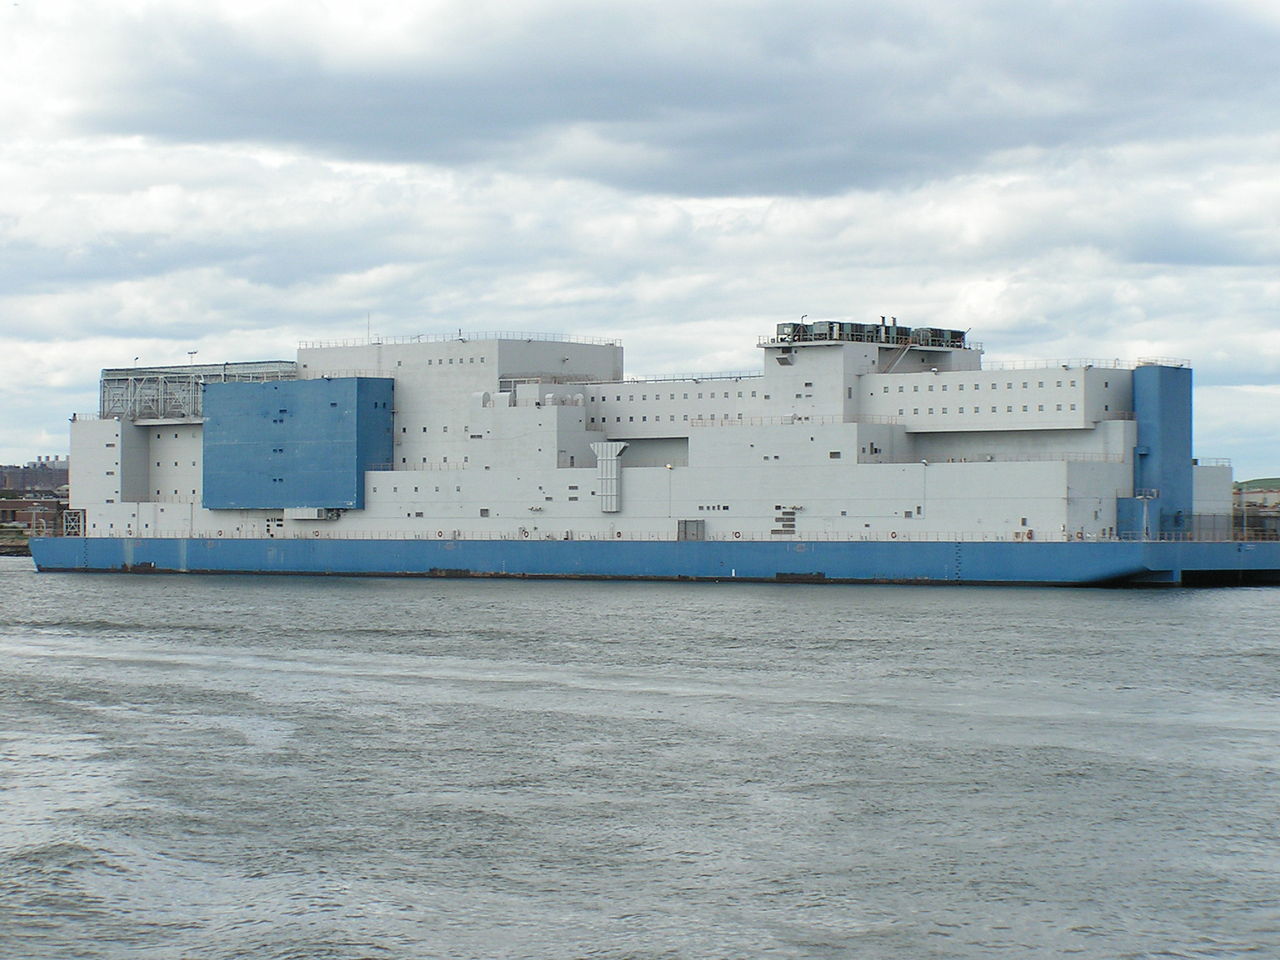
(191, 357)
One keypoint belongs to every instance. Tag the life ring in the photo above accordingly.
(440, 534)
(893, 534)
(219, 533)
(525, 534)
(1079, 534)
(737, 534)
(317, 533)
(1031, 534)
(618, 534)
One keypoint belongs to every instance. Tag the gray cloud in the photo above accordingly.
(743, 99)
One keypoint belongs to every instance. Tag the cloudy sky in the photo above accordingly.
(1067, 180)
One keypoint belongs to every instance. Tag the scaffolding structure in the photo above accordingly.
(174, 393)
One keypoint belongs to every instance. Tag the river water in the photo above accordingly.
(252, 767)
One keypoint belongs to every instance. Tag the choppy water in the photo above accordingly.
(226, 767)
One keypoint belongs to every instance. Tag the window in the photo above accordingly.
(834, 455)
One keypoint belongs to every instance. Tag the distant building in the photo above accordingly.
(34, 513)
(1257, 508)
(44, 475)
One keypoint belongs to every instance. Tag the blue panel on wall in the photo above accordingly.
(294, 443)
(1162, 458)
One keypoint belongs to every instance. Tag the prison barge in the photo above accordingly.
(856, 452)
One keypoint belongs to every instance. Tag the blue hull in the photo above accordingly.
(956, 562)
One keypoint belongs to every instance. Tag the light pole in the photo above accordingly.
(1146, 496)
(924, 486)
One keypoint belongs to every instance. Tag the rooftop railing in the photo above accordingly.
(462, 336)
(1068, 364)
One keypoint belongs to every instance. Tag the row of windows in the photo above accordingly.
(995, 386)
(710, 395)
(440, 361)
(671, 418)
(915, 411)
